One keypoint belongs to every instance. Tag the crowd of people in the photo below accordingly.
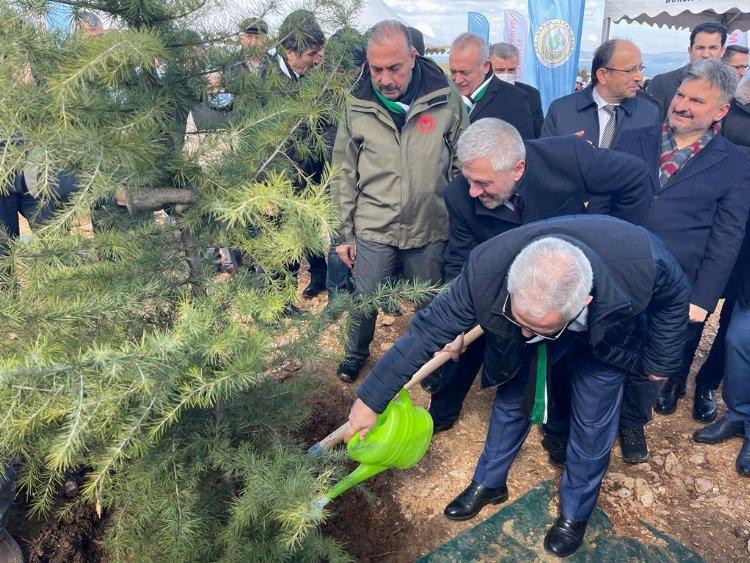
(591, 244)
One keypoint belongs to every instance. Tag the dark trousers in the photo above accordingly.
(339, 277)
(693, 339)
(736, 392)
(6, 493)
(318, 268)
(457, 377)
(18, 201)
(712, 370)
(375, 264)
(596, 394)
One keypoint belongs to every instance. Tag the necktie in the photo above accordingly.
(609, 128)
(518, 203)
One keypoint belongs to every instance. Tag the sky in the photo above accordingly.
(448, 18)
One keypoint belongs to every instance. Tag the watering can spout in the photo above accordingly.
(362, 473)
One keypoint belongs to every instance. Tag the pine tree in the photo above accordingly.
(123, 355)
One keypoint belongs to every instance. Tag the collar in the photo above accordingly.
(585, 98)
(403, 104)
(599, 100)
(477, 94)
(285, 68)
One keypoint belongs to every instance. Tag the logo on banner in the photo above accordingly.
(554, 42)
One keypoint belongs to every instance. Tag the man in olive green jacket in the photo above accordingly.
(396, 149)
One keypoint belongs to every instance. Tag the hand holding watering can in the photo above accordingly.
(397, 438)
(362, 418)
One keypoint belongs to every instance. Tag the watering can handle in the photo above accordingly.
(440, 358)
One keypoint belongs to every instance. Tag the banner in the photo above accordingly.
(479, 25)
(515, 32)
(737, 38)
(554, 36)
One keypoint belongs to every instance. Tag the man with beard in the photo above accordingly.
(602, 293)
(700, 207)
(395, 147)
(505, 183)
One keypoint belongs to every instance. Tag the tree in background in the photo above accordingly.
(124, 355)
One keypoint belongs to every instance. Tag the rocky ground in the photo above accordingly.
(690, 491)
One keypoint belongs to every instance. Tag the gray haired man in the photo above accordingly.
(504, 58)
(582, 288)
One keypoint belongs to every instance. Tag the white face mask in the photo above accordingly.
(508, 77)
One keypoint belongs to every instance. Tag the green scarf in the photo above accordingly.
(539, 409)
(472, 101)
(391, 105)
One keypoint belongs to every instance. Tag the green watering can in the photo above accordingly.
(399, 439)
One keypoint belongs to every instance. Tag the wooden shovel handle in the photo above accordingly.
(429, 367)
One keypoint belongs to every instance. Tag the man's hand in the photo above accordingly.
(454, 348)
(697, 315)
(361, 419)
(656, 378)
(347, 253)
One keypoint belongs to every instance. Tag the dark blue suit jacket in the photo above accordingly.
(535, 99)
(701, 213)
(561, 173)
(577, 111)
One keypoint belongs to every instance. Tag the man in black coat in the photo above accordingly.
(504, 58)
(707, 41)
(611, 104)
(598, 291)
(534, 180)
(484, 94)
(700, 207)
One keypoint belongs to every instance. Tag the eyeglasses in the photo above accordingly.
(508, 314)
(739, 67)
(629, 71)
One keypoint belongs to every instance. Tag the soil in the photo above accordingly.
(73, 539)
(689, 491)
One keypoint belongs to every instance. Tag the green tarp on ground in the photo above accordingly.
(516, 533)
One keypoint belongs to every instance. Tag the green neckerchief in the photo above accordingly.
(391, 105)
(478, 94)
(539, 409)
(401, 108)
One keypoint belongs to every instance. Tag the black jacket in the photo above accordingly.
(560, 174)
(637, 320)
(578, 112)
(736, 125)
(662, 89)
(701, 213)
(535, 99)
(507, 102)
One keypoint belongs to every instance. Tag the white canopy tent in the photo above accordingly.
(735, 14)
(374, 11)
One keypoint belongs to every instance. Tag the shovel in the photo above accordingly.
(399, 438)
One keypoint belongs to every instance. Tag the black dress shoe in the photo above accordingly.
(293, 312)
(313, 288)
(564, 537)
(438, 428)
(470, 502)
(666, 403)
(719, 431)
(557, 451)
(704, 405)
(432, 383)
(349, 369)
(743, 460)
(633, 445)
